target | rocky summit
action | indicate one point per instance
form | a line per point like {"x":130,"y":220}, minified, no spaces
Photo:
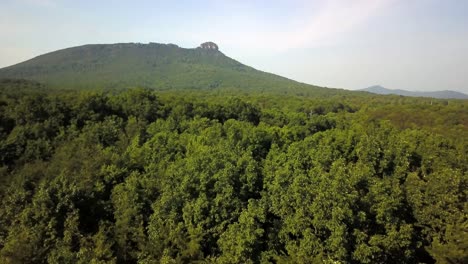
{"x":209,"y":46}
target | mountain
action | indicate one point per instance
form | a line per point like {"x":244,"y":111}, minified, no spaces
{"x":153,"y":65}
{"x":377,"y":89}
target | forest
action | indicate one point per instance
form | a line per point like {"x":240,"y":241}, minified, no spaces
{"x":202,"y":176}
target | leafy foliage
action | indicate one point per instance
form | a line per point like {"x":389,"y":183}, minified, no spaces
{"x":139,"y":176}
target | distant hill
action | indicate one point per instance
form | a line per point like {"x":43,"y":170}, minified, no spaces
{"x":153,"y":65}
{"x":377,"y":89}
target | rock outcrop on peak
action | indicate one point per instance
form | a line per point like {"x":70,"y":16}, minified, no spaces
{"x":209,"y":46}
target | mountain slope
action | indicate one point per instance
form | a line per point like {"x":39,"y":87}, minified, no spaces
{"x":377,"y":89}
{"x":158,"y":66}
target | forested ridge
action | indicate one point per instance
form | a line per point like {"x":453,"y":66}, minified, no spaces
{"x":193,"y":176}
{"x":156,"y":66}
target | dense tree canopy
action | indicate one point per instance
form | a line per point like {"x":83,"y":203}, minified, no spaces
{"x":139,"y":176}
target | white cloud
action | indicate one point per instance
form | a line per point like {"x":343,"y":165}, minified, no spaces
{"x":335,"y":18}
{"x":317,"y":25}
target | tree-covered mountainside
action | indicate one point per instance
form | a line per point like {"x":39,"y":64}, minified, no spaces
{"x":447,"y":94}
{"x":156,"y":66}
{"x":198,"y":176}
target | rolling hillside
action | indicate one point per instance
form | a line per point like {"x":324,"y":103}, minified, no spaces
{"x":377,"y":89}
{"x":153,"y":65}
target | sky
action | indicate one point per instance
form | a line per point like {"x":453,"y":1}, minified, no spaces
{"x":419,"y":45}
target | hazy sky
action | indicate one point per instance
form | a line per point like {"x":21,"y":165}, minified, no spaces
{"x":400,"y":44}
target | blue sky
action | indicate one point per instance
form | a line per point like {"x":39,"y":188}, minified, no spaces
{"x":400,"y":44}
